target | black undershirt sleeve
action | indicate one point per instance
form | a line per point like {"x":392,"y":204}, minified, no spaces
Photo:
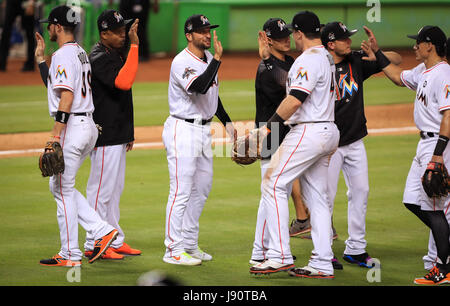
{"x":300,"y":95}
{"x":202,"y":83}
{"x":43,"y":70}
{"x":221,"y":114}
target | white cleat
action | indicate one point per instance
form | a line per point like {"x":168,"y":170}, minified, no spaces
{"x":182,"y":259}
{"x":199,"y":254}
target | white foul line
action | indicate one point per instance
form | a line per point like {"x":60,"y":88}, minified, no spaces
{"x":158,"y":144}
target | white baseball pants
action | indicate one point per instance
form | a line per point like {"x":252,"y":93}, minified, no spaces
{"x":414,"y":193}
{"x":190,"y":163}
{"x":304,"y":153}
{"x":105,"y":186}
{"x":77,"y":141}
{"x":352,"y":159}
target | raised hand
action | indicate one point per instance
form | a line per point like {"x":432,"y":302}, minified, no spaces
{"x":264,"y":49}
{"x":371,"y":39}
{"x":40,"y":48}
{"x":132,"y":34}
{"x":370,"y":54}
{"x":218,"y":50}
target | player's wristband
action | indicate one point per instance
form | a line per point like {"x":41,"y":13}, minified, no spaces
{"x":274,"y":121}
{"x":382,"y":60}
{"x":440,"y":145}
{"x":62,"y":117}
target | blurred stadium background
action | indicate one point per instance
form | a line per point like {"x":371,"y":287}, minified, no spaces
{"x":240,"y":20}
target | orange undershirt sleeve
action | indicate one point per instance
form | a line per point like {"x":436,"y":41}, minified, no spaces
{"x":127,"y":74}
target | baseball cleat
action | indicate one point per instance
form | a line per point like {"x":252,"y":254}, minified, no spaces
{"x":254,"y":262}
{"x":270,"y":266}
{"x":298,"y":228}
{"x":125,"y":249}
{"x":182,"y":259}
{"x":361,"y":260}
{"x":102,"y":244}
{"x":109,"y":254}
{"x":309,"y":272}
{"x":434,"y":277}
{"x":58,"y":261}
{"x":336,"y":264}
{"x":199,"y":254}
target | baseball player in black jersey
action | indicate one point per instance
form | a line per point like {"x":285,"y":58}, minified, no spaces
{"x":113,"y":74}
{"x":352,"y":68}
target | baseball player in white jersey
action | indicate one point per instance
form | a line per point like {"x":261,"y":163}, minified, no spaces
{"x":304,"y":153}
{"x":70,"y":104}
{"x":431,"y":81}
{"x":193,"y":101}
{"x":430,"y":259}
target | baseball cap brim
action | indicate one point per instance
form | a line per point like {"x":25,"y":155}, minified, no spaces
{"x":413,"y":36}
{"x":352,"y":32}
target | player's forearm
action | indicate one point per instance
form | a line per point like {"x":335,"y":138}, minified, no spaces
{"x":394,"y":57}
{"x":43,"y":70}
{"x":126,"y":76}
{"x":204,"y":81}
{"x":62,"y":116}
{"x":288,"y":107}
{"x":222,"y":114}
{"x":394,"y":72}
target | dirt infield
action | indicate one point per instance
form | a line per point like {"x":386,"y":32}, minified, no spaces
{"x":234,"y":66}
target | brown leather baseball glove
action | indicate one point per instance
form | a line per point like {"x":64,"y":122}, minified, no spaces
{"x":51,"y":162}
{"x":247,"y":149}
{"x":435,"y":180}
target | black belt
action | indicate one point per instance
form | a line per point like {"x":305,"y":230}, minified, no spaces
{"x":204,"y":121}
{"x":424,"y":135}
{"x":80,"y":114}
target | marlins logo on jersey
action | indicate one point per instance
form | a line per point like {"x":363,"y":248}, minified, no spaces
{"x":187,"y":72}
{"x":302,"y":74}
{"x":60,"y":72}
{"x":447,"y":91}
{"x":347,"y":87}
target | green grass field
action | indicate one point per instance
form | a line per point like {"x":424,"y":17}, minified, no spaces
{"x":25,"y":109}
{"x":29,"y":231}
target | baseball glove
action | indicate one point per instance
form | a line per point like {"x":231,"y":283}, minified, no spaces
{"x":435,"y":180}
{"x":51,"y":162}
{"x":247,"y":149}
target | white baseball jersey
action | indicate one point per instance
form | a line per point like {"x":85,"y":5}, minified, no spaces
{"x":314,"y":69}
{"x":186,"y":67}
{"x":70,"y":69}
{"x":432,"y":88}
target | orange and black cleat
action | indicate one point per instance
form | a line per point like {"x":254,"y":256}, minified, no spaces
{"x":102,"y":244}
{"x":125,"y":249}
{"x":58,"y":261}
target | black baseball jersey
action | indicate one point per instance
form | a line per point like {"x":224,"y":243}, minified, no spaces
{"x":349,"y":107}
{"x":113,"y":106}
{"x":270,"y":90}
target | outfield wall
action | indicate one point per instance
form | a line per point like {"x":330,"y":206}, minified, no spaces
{"x":240,"y":20}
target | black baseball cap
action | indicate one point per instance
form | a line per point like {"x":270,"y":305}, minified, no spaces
{"x":432,"y":34}
{"x":197,"y":22}
{"x":306,"y":21}
{"x":335,"y":30}
{"x":276,"y":28}
{"x":63,"y":15}
{"x":111,"y":20}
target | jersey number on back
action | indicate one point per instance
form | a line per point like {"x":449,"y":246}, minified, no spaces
{"x":86,"y":78}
